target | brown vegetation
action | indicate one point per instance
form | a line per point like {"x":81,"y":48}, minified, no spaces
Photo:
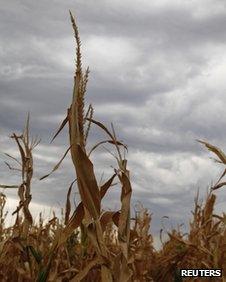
{"x":90,"y":244}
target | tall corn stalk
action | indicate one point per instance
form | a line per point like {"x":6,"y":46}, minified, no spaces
{"x":25,"y":146}
{"x":88,"y":213}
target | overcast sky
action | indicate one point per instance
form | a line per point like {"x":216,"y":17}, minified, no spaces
{"x":158,"y":73}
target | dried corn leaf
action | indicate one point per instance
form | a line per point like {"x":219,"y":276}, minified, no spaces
{"x":68,"y":204}
{"x":218,"y":186}
{"x":57,"y":165}
{"x":82,"y":274}
{"x":124,"y":219}
{"x":87,"y":183}
{"x":106,"y":218}
{"x":104,"y":188}
{"x":9,"y":186}
{"x":64,"y":122}
{"x":104,"y":142}
{"x":215,"y":150}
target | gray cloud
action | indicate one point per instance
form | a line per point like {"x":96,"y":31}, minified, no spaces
{"x":157,"y":72}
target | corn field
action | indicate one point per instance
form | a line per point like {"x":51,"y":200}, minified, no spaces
{"x":88,"y":243}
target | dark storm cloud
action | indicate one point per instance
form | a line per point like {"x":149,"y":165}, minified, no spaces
{"x":157,"y":72}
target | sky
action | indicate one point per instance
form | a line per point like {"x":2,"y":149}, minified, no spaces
{"x":157,"y":72}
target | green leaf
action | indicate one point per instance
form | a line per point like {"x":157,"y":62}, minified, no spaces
{"x":42,"y":276}
{"x":37,"y":255}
